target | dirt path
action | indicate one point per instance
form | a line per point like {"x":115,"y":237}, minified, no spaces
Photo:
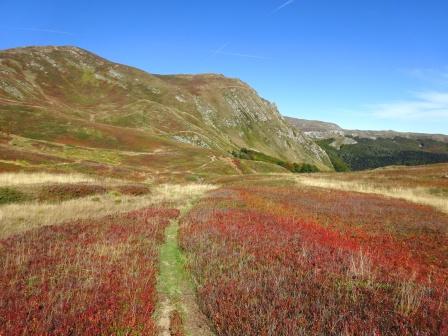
{"x":178,"y":312}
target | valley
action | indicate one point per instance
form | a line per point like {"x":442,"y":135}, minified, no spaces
{"x":362,"y":150}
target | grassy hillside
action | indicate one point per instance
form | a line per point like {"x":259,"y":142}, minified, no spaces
{"x":293,"y":167}
{"x":66,"y":96}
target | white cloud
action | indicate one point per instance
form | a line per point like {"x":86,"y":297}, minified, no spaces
{"x":424,"y":105}
{"x":428,"y":75}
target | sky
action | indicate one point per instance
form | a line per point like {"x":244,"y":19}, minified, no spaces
{"x":370,"y":64}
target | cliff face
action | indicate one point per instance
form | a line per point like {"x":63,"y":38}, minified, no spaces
{"x":69,"y":95}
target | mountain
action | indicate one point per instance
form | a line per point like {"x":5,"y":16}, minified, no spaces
{"x":67,"y":105}
{"x":325,"y":130}
{"x":313,"y":125}
{"x":392,"y":134}
{"x":360,"y":150}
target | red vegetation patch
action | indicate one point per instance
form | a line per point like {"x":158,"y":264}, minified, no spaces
{"x":410,"y":236}
{"x":284,"y":262}
{"x":429,"y":176}
{"x":89,"y":277}
{"x":134,"y":189}
{"x":9,"y":168}
{"x":61,"y":192}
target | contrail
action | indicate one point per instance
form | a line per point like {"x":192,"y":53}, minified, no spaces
{"x":221,"y":49}
{"x":287,"y":3}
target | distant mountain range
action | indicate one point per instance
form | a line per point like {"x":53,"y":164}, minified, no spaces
{"x":358,"y":150}
{"x":324,"y":130}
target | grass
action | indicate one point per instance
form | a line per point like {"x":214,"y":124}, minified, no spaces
{"x":96,"y":273}
{"x":180,"y":194}
{"x":17,"y":218}
{"x":9,"y":195}
{"x":267,"y":256}
{"x":14,"y":179}
{"x":283,"y":260}
{"x":58,"y":187}
{"x":248,"y":154}
{"x":178,"y":310}
{"x":88,"y":277}
{"x":417,"y":195}
{"x":171,"y":282}
{"x":172,"y":264}
{"x":429,"y":176}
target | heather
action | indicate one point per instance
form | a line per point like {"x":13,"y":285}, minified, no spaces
{"x":287,"y":262}
{"x":92,"y":276}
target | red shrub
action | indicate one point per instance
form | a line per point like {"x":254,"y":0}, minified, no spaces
{"x":134,"y":189}
{"x":269,"y":263}
{"x":61,"y":192}
{"x":88,"y":277}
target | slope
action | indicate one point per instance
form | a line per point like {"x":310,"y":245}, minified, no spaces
{"x":69,"y":96}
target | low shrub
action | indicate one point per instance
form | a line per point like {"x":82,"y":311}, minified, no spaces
{"x":88,"y":277}
{"x":10,"y":195}
{"x":62,"y":192}
{"x":134,"y":189}
{"x":274,"y":261}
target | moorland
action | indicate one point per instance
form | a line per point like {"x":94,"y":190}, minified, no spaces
{"x":140,"y":204}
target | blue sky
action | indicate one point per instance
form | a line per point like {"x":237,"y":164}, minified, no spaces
{"x":371,"y":64}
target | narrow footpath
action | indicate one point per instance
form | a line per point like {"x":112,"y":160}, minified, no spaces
{"x":178,"y":313}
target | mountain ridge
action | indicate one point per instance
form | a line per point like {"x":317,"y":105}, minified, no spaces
{"x":360,"y":150}
{"x":70,"y":96}
{"x":324,"y":130}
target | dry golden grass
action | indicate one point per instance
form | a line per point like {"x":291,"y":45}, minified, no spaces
{"x":180,"y":192}
{"x":416,"y":195}
{"x":14,"y":179}
{"x":360,"y":266}
{"x":16,"y":218}
{"x":409,"y":298}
